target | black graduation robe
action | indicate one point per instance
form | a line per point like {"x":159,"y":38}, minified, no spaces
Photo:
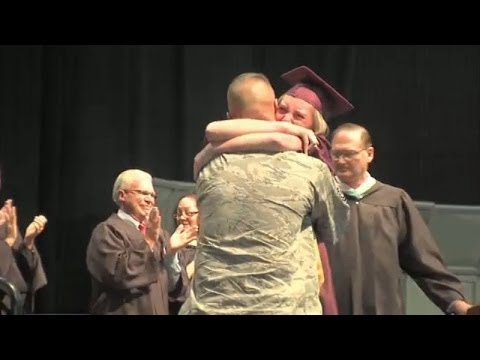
{"x":127,"y":277}
{"x":387,"y":235}
{"x":23,"y":268}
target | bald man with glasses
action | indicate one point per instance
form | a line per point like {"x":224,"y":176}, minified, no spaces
{"x":386,"y":237}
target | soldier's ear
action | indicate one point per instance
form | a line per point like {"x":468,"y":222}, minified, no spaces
{"x":370,"y":153}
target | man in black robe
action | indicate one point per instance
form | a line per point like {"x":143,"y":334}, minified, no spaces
{"x":131,"y":259}
{"x":126,"y":253}
{"x":386,"y":235}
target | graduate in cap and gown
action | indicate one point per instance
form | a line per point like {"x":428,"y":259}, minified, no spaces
{"x":310,"y":89}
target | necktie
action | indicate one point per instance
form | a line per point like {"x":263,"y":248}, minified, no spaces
{"x":142,"y":228}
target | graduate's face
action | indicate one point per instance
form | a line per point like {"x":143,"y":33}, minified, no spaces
{"x":295,"y":111}
{"x":351,"y":156}
{"x":138,"y":198}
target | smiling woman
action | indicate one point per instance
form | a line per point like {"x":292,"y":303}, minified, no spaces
{"x":186,"y":216}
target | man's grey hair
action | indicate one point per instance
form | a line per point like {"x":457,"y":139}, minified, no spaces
{"x":125,"y":179}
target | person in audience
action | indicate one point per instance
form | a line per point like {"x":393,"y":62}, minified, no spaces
{"x":20,"y":261}
{"x":186,"y":216}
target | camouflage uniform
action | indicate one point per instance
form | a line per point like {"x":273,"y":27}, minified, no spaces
{"x":256,"y":249}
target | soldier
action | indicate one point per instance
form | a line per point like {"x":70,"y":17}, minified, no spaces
{"x":256,"y":249}
{"x":310,"y":103}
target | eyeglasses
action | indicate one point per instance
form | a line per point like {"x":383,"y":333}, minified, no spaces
{"x":187,"y":214}
{"x":346,"y":154}
{"x":142,"y":192}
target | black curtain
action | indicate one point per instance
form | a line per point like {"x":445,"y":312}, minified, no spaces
{"x":73,"y":117}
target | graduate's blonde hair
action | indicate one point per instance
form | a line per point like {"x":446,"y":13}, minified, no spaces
{"x":320,"y":126}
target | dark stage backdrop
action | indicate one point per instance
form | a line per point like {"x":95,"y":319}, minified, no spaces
{"x":73,"y":117}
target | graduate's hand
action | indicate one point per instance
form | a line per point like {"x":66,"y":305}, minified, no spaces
{"x":307,"y":136}
{"x":312,"y":148}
